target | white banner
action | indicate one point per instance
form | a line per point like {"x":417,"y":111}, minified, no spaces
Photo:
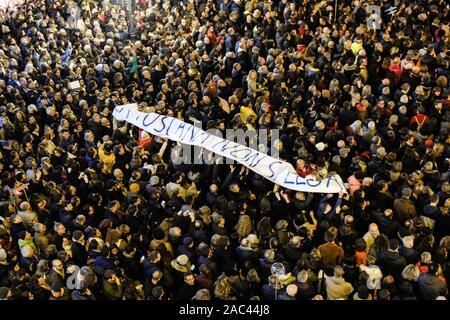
{"x":74,"y":85}
{"x":275,"y":170}
{"x":132,"y":106}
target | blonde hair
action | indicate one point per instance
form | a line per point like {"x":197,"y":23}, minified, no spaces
{"x":205,"y":213}
{"x":252,"y":276}
{"x":222,"y":288}
{"x":411,"y":272}
{"x":244,"y":226}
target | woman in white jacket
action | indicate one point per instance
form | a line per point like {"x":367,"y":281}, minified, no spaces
{"x":374,"y":273}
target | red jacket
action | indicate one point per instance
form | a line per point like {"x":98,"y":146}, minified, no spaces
{"x":145,"y":142}
{"x":397,"y":70}
{"x":420,"y":119}
{"x":306,"y":171}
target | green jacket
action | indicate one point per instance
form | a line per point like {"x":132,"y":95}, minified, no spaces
{"x":23,"y":243}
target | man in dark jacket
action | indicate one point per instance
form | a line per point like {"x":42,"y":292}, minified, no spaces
{"x":187,"y":248}
{"x":153,"y":282}
{"x":59,"y":293}
{"x":430,"y":285}
{"x":306,"y":290}
{"x":82,"y":294}
{"x":289,"y":293}
{"x":189,"y":288}
{"x":383,"y":199}
{"x":59,"y":234}
{"x":388,"y":225}
{"x":391,"y":262}
{"x":293,"y":251}
{"x":411,"y":255}
{"x":66,"y":215}
{"x":102,"y":262}
{"x":265,"y":264}
{"x":347,"y":233}
{"x":245,"y":253}
{"x":431,"y":210}
{"x":271,"y":289}
{"x":152,"y":263}
{"x":302,"y":200}
{"x":79,"y":248}
{"x":57,"y":274}
{"x":112,"y":286}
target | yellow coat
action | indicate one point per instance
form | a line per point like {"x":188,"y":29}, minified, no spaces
{"x":356,"y":47}
{"x":247,"y":112}
{"x":109,"y":160}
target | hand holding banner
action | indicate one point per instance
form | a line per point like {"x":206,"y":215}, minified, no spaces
{"x":275,"y":170}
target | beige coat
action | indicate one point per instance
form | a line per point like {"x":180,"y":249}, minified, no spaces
{"x":337,"y":288}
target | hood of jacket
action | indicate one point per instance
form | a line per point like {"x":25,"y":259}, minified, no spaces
{"x":430,"y":210}
{"x":337,"y":280}
{"x":392,"y":256}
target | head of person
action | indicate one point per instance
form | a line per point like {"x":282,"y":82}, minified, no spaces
{"x":373,"y":230}
{"x":189,"y":278}
{"x":338,"y":271}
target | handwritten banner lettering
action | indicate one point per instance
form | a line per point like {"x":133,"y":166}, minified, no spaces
{"x":275,"y":170}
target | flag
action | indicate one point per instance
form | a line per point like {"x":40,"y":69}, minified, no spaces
{"x":134,"y":66}
{"x":133,"y":70}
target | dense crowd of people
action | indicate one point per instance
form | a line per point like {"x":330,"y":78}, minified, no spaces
{"x":94,"y":208}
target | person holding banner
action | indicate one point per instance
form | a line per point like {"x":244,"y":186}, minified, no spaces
{"x":225,"y":137}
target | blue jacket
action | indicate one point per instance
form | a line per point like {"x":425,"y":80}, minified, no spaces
{"x":268,"y":292}
{"x":431,"y":286}
{"x":101,"y":264}
{"x":149,"y":268}
{"x":230,"y":43}
{"x":322,"y":206}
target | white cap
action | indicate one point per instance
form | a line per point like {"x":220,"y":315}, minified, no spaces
{"x":320,"y":146}
{"x":2,"y":255}
{"x":291,"y":290}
